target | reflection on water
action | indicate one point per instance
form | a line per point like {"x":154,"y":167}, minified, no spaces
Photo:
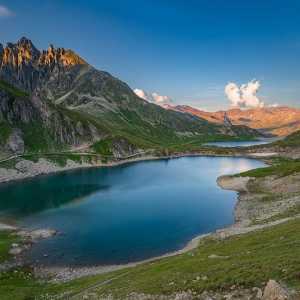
{"x":39,"y":194}
{"x":126,"y":213}
{"x":227,"y":167}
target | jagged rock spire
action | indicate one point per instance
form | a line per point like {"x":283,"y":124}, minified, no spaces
{"x":60,"y":56}
{"x":24,"y":51}
{"x":24,"y":41}
{"x":22,"y":64}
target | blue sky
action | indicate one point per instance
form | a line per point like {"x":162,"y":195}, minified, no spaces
{"x":188,"y":50}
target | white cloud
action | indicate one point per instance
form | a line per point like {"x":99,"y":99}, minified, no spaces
{"x":245,"y":95}
{"x":153,"y":97}
{"x":141,"y":94}
{"x":232,"y":91}
{"x":248,"y":92}
{"x":160,"y":99}
{"x":5,"y":12}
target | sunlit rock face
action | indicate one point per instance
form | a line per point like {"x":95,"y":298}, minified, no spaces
{"x":59,"y":56}
{"x":23,"y":65}
{"x":25,"y":53}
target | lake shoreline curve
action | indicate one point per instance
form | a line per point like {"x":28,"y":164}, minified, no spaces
{"x":26,"y":169}
{"x":240,"y":225}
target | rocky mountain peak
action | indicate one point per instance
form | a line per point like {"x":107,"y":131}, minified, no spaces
{"x":23,"y":65}
{"x":60,"y":56}
{"x":25,"y":42}
{"x":24,"y":52}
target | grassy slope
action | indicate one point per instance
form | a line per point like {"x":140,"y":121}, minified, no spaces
{"x":6,"y":239}
{"x":155,"y":136}
{"x":12,"y":90}
{"x":292,"y":140}
{"x":279,"y":168}
{"x":251,"y":260}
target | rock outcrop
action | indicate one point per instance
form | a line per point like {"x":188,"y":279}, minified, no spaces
{"x":15,"y":142}
{"x":274,"y":291}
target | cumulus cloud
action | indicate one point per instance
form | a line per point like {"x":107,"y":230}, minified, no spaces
{"x":153,"y":97}
{"x":141,"y":94}
{"x":244,"y":95}
{"x":5,"y":12}
{"x":160,"y":99}
{"x":233,"y":93}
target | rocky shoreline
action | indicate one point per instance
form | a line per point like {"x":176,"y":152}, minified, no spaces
{"x":28,"y":238}
{"x":24,"y":169}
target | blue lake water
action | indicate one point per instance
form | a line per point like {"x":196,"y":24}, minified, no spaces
{"x":125,"y":213}
{"x":242,"y":143}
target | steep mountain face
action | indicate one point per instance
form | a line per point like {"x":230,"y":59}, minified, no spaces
{"x":28,"y":123}
{"x":279,"y":121}
{"x":27,"y":118}
{"x":56,"y":92}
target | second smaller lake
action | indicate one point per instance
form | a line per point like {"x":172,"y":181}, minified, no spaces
{"x":242,"y":143}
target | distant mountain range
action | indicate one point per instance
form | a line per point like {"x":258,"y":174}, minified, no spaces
{"x":53,"y":99}
{"x":280,"y":121}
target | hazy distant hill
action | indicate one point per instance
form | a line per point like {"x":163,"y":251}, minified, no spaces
{"x":274,"y":120}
